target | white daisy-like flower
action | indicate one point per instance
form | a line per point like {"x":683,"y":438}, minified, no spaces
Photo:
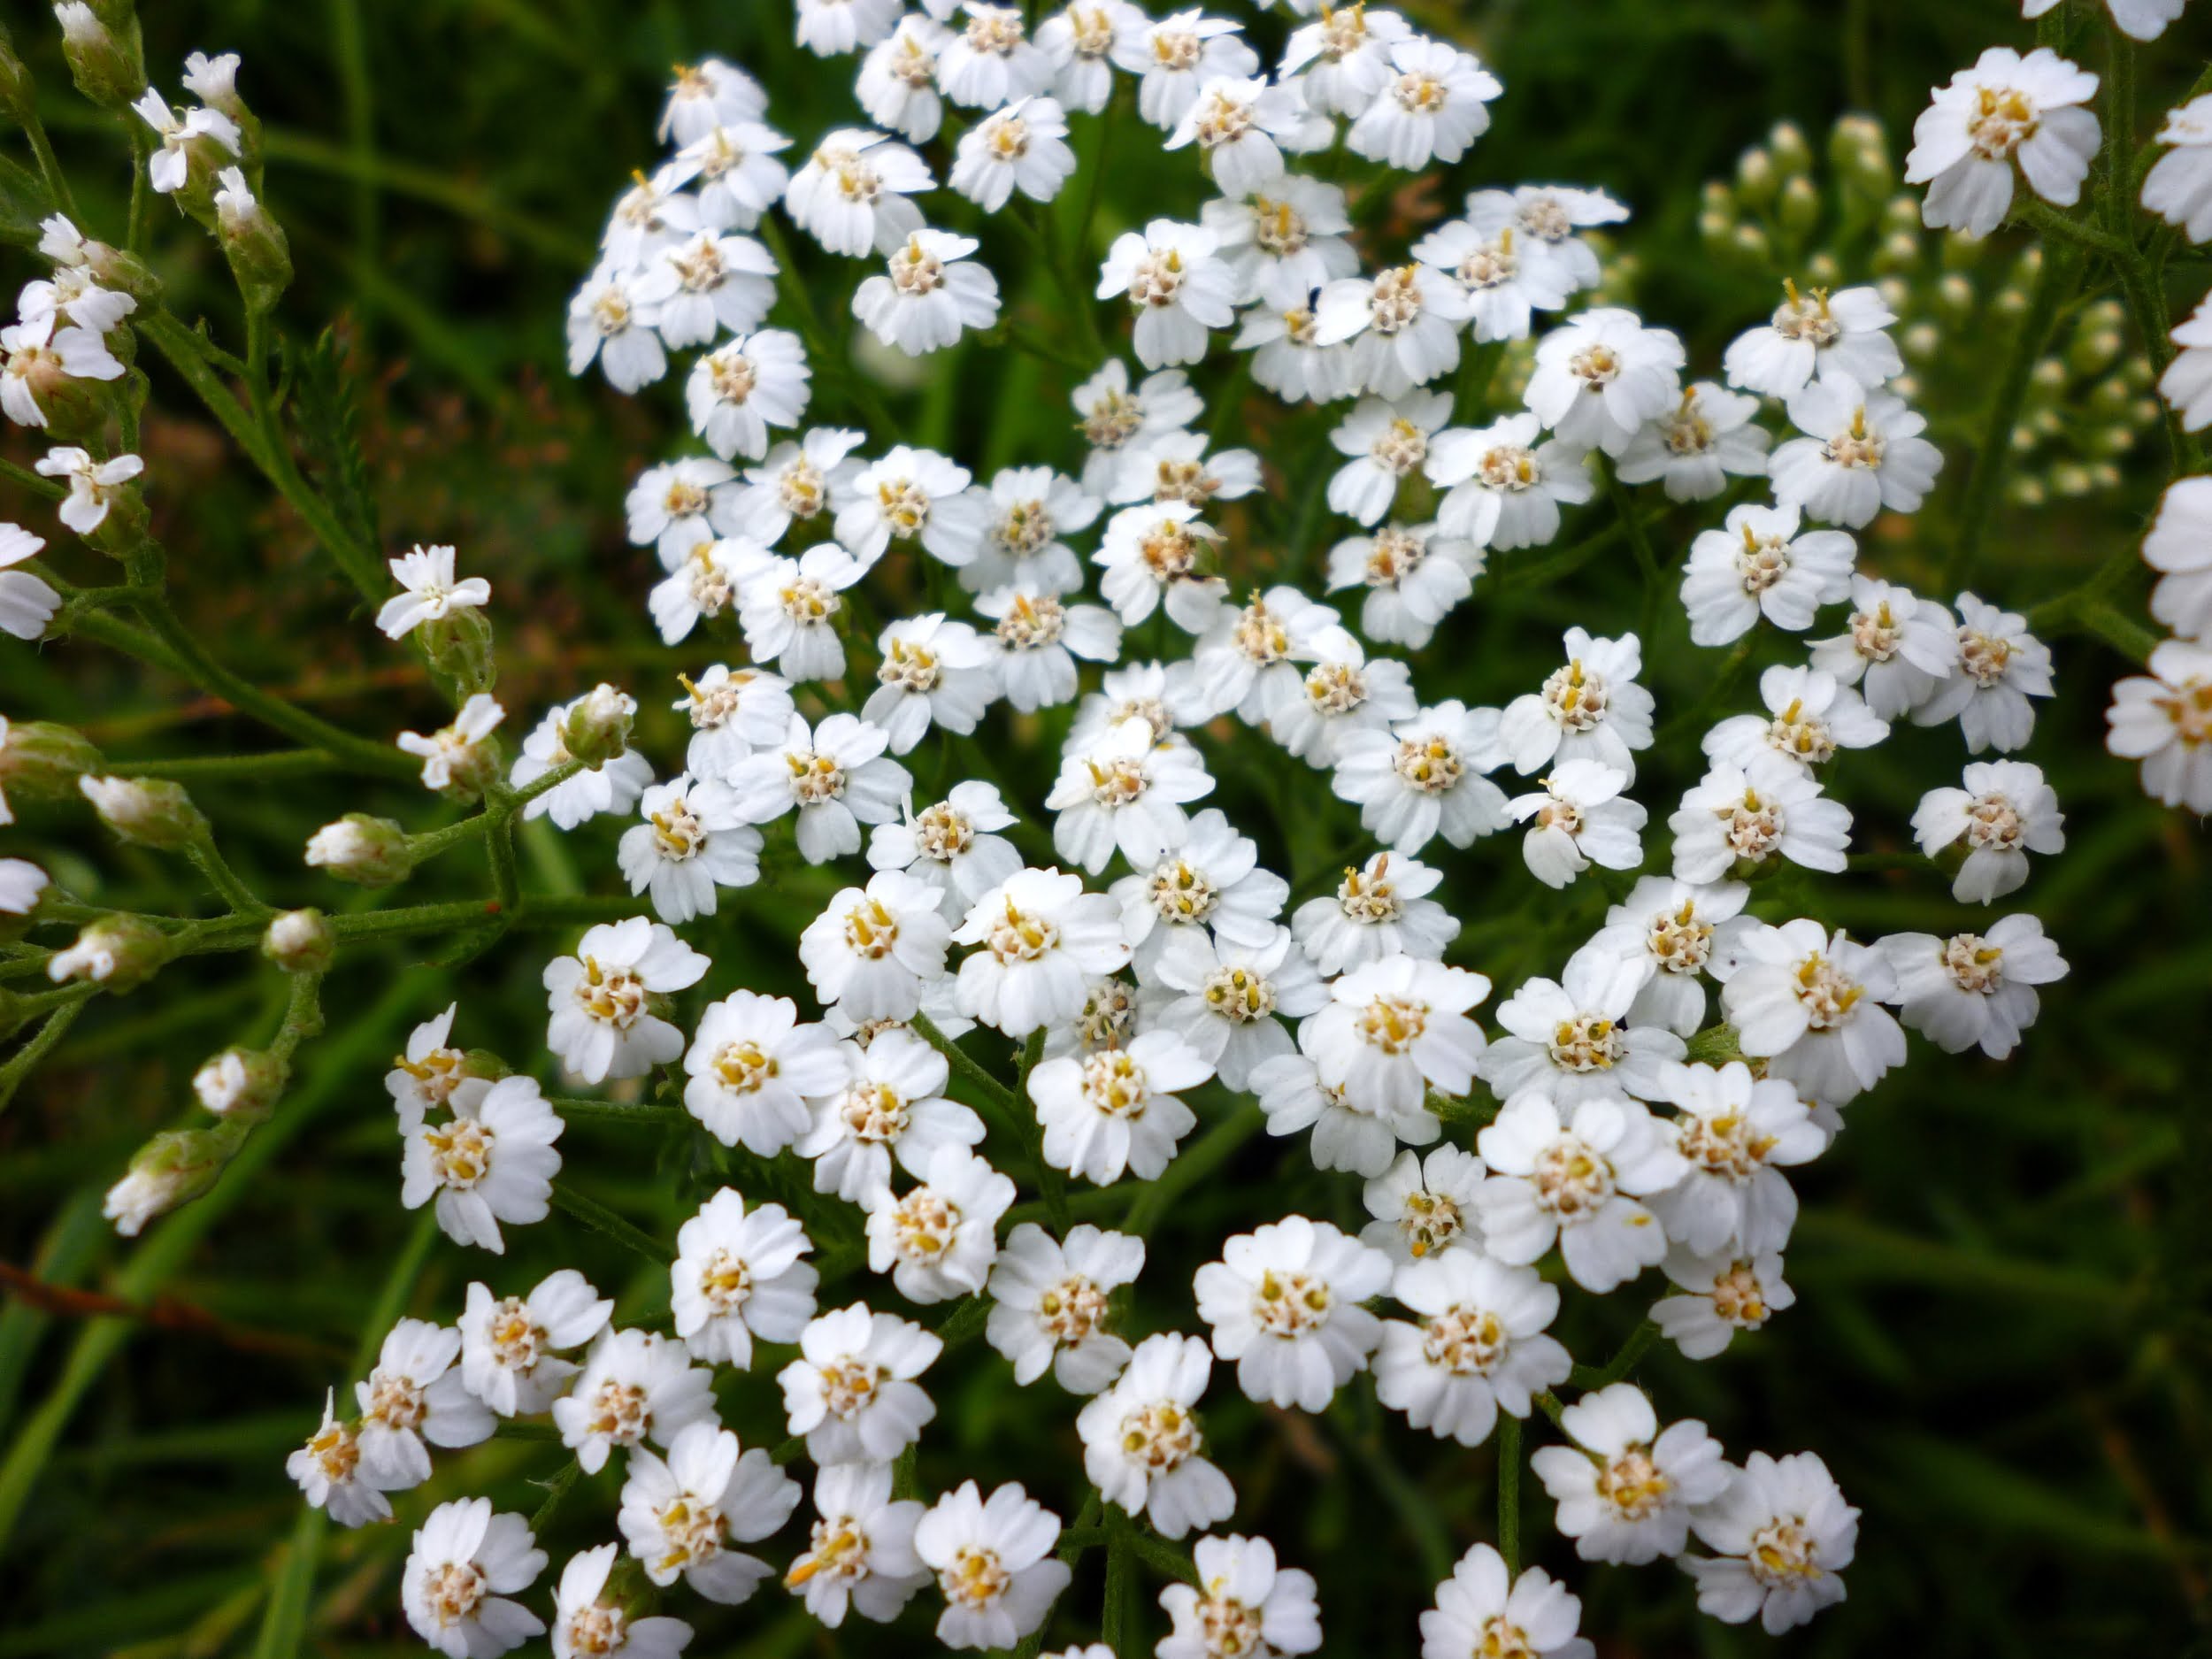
{"x":492,"y":1162}
{"x":1283,"y":238}
{"x":710,"y":579}
{"x":835,"y":776}
{"x":993,"y":1563}
{"x":1401,"y":327}
{"x":1672,"y":933}
{"x":851,"y":1391}
{"x":2165,"y":719}
{"x":1152,"y":556}
{"x":990,"y":60}
{"x":1810,"y":718}
{"x":938,"y":1240}
{"x":1810,"y":1006}
{"x":1579,"y":818}
{"x":679,"y":506}
{"x":1739,"y":817}
{"x":1424,"y":778}
{"x":1023,"y":147}
{"x":854,"y":196}
{"x":1591,"y":708}
{"x":1342,"y":60}
{"x":1414,"y":576}
{"x":872,"y":952}
{"x":608,"y":323}
{"x":1602,"y":375}
{"x":1781,"y":1535}
{"x":636,"y":1386}
{"x":414,"y":1398}
{"x":1289,"y":359}
{"x":1036,"y":640}
{"x":1175,"y":466}
{"x":2178,"y":187}
{"x":679,"y":1517}
{"x":1117,"y":1110}
{"x":1141,"y":691}
{"x":1243,"y":1602}
{"x":1177,"y":56}
{"x":1505,"y":488}
{"x":738,"y":1277}
{"x":928,"y":295}
{"x":464,"y":1565}
{"x":1032,"y":510}
{"x":897,"y":87}
{"x":432,"y":592}
{"x":742,"y":388}
{"x":1758,"y":565}
{"x":1044,"y":940}
{"x":752,"y":1067}
{"x":1114,"y":418}
{"x":830,"y":28}
{"x":795,"y":482}
{"x":2006,"y":108}
{"x":2186,"y":384}
{"x":950,"y":845}
{"x":692,"y":843}
{"x":28,"y":601}
{"x":510,"y":1346}
{"x":1862,"y":454}
{"x":588,"y":1622}
{"x":890,"y":1103}
{"x":1081,"y":40}
{"x":1284,"y":1303}
{"x":1236,"y":665}
{"x":330,"y":1474}
{"x":170,"y":165}
{"x":1354,"y":1131}
{"x":1483,"y":1605}
{"x":1626,"y":1489}
{"x":1141,"y":1443}
{"x":1507,"y":275}
{"x":1568,"y":1038}
{"x":38,"y":358}
{"x":789,"y":609}
{"x":1386,"y":442}
{"x":1177,"y":285}
{"x":1126,"y":793}
{"x":2001,"y":665}
{"x":735,"y":167}
{"x":608,"y":785}
{"x":1738,"y":1134}
{"x":93,"y":485}
{"x":457,"y":757}
{"x":1844,"y":332}
{"x":1478,"y":1346}
{"x":1430,"y":108}
{"x":1973,"y":989}
{"x":1424,"y":1205}
{"x":1240,"y":125}
{"x":1048,"y":1304}
{"x":2178,"y":545}
{"x":603,"y":1025}
{"x":2004,"y":812}
{"x":703,"y":286}
{"x":860,"y":1552}
{"x":1898,"y":650}
{"x":932,"y":671}
{"x":1717,"y":1295}
{"x":1223,"y":998}
{"x":706,"y":94}
{"x":911,"y":495}
{"x":1395,"y":1028}
{"x":1576,"y":1180}
{"x":1693,"y":449}
{"x":1209,"y":878}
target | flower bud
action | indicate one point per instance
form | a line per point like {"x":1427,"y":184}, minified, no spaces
{"x":300,"y":942}
{"x":598,"y":725}
{"x":457,"y":646}
{"x":119,"y":952}
{"x":1755,"y":180}
{"x":1801,"y":206}
{"x":241,"y":1084}
{"x":106,"y":68}
{"x":41,"y":760}
{"x":149,"y":811}
{"x":15,"y":79}
{"x":171,"y":1169}
{"x":23,"y":201}
{"x":260,"y":258}
{"x":1793,"y":156}
{"x":370,"y":852}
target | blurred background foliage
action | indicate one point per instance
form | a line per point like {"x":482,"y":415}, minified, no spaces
{"x":2000,"y":1340}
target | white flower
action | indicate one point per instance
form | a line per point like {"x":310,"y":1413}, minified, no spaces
{"x":692,"y":842}
{"x":462,"y":1566}
{"x":2005,"y":812}
{"x":1625,"y":1488}
{"x":1209,"y":876}
{"x":1810,"y":1006}
{"x":1479,"y":1346}
{"x":169,"y":165}
{"x":1048,"y":1304}
{"x":835,"y":776}
{"x":1388,"y":441}
{"x":1284,"y":238}
{"x":990,"y":61}
{"x":1692,"y":448}
{"x":1899,"y":647}
{"x":27,"y":603}
{"x":1809,"y":718}
{"x":1820,"y":333}
{"x":1483,"y":1607}
{"x":1736,"y":1135}
{"x":706,"y":94}
{"x":794,"y":482}
{"x":890,"y":1103}
{"x":911,"y":494}
{"x":2005,"y":108}
{"x":2179,"y":188}
{"x":897,"y":87}
{"x":1032,"y":510}
{"x":1973,"y":989}
{"x":711,"y":578}
{"x":1229,"y":995}
{"x":1741,"y":817}
{"x":949,"y":846}
{"x":1671,"y":932}
{"x":1505,"y":488}
{"x":494,"y":1161}
{"x":1141,"y":691}
{"x":1590,"y":708}
{"x":636,"y":1386}
{"x":1424,"y":1205}
{"x":1151,"y":555}
{"x":1242,"y":1603}
{"x":1579,"y":819}
{"x":674,"y":507}
{"x":1127,"y":792}
{"x":1177,"y":285}
{"x":607,"y":321}
{"x":1175,"y":467}
{"x":73,"y":297}
{"x":789,"y":610}
{"x":1402,"y":326}
{"x":39,"y":355}
{"x":938,"y":1240}
{"x":1176,"y":56}
{"x":2165,"y":719}
{"x":452,"y":756}
{"x":860,"y":1554}
{"x":1781,"y":1535}
{"x":603,"y":1025}
{"x":1414,"y":575}
{"x":1576,"y":1181}
{"x":1758,"y":565}
{"x":1423,"y":778}
{"x":329,"y":1473}
{"x":1044,"y":940}
{"x":1354,"y":1131}
{"x":829,"y":28}
{"x":93,"y":484}
{"x":588,"y":1623}
{"x":993,"y":1562}
{"x":1345,"y":57}
{"x":1142,"y":1442}
{"x":1431,"y":107}
{"x":1237,"y":665}
{"x":873,"y":951}
{"x":1289,"y":358}
{"x":1284,"y":1303}
{"x":853,"y":193}
{"x":737,"y":171}
{"x":752,"y":1067}
{"x":1240,"y":126}
{"x":1862,"y":453}
{"x":1568,"y":1039}
{"x":1601,"y":375}
{"x":1716,"y":1296}
{"x":679,"y":1516}
{"x":1396,"y":1027}
{"x":414,"y":1400}
{"x":607,"y":786}
{"x":1507,"y":274}
{"x":2186,"y":384}
{"x":928,"y":295}
{"x":1114,"y":418}
{"x":699,"y":287}
{"x":509,"y":1344}
{"x":851,"y":1391}
{"x":21,"y":882}
{"x":429,"y":1071}
{"x":738,"y":1277}
{"x":1117,"y":1108}
{"x":2178,"y":544}
{"x":736,"y":392}
{"x":2001,"y":665}
{"x":1080,"y":41}
{"x":1023,"y":147}
{"x":653,"y":214}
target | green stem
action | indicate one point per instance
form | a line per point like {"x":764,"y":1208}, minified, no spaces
{"x":49,"y":167}
{"x":599,"y":1218}
{"x":211,"y":862}
{"x":615,"y":1111}
{"x":996,"y":1093}
{"x":26,"y":1060}
{"x":1624,"y":1361}
{"x":285,"y":762}
{"x":1049,"y":1181}
{"x":1192,"y":1165}
{"x":1509,"y":1493}
{"x":1639,"y":544}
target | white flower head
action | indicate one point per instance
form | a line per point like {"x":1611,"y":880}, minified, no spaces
{"x":94,"y":483}
{"x":2165,"y":719}
{"x":1810,"y":718}
{"x":692,"y":843}
{"x":1862,"y":454}
{"x":1433,"y":106}
{"x":860,"y":1552}
{"x":1602,"y":375}
{"x":851,"y":1391}
{"x":939,"y":1240}
{"x":1177,"y":285}
{"x":1579,"y":818}
{"x":1043,"y":940}
{"x":928,"y":294}
{"x":1781,"y":1535}
{"x":1819,"y":332}
{"x":492,"y":1162}
{"x":1283,"y":238}
{"x":1049,"y":1305}
{"x":854,"y":193}
{"x":1476,"y":1346}
{"x":1081,"y":41}
{"x":1482,"y":1605}
{"x":1424,"y":778}
{"x":1117,"y":1109}
{"x":752,"y":1067}
{"x":1177,"y":56}
{"x":738,"y":1277}
{"x":1023,"y":147}
{"x":602,"y":1022}
{"x":1737,"y":1133}
{"x":414,"y":1398}
{"x":1242,"y":1601}
{"x":993,"y":1563}
{"x":746,"y":385}
{"x":1414,"y":576}
{"x":1141,"y":1443}
{"x":1590,"y":708}
{"x":510,"y":1346}
{"x":2001,"y":665}
{"x":1740,"y":817}
{"x":636,"y":1386}
{"x":2005,"y":109}
{"x":1976,"y":989}
{"x":588,"y":1622}
{"x":1379,"y":908}
{"x":1223,"y":998}
{"x":1425,"y":1205}
{"x":464,"y":1565}
{"x":2004,"y":812}
{"x":890,"y":1104}
{"x":1626,"y":1489}
{"x":2178,"y":187}
{"x":1810,"y":1006}
{"x":1759,"y":564}
{"x":679,"y":1515}
{"x":329,"y":1473}
{"x":1284,"y":1303}
{"x":1401,"y":327}
{"x":1899,"y":648}
{"x":833,"y":776}
{"x":1577,"y":1179}
{"x":1717,"y":1295}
